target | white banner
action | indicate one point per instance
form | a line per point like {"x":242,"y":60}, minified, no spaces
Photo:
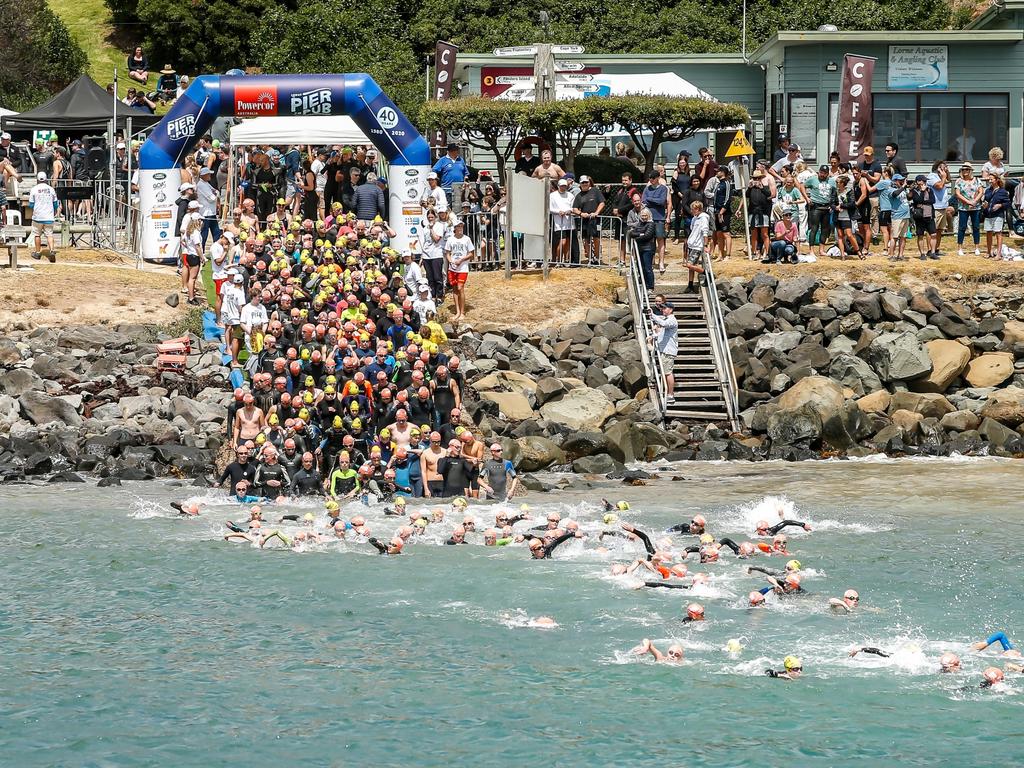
{"x":158,"y":191}
{"x":406,"y":186}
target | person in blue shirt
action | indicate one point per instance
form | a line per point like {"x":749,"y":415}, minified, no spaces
{"x":657,"y":201}
{"x":451,"y":168}
{"x":900,"y":207}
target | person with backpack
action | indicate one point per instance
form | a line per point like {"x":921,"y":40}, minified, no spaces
{"x":922,"y":208}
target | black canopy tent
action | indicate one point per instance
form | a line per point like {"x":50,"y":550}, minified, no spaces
{"x":82,"y":106}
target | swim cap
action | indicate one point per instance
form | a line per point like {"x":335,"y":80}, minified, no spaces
{"x":331,"y":506}
{"x":460,"y":502}
{"x":421,"y":522}
{"x":622,"y":506}
{"x":400,"y":501}
{"x":756,"y":598}
{"x":707,"y":538}
{"x":993,"y":675}
{"x":733,"y":645}
{"x":699,"y":520}
{"x":695,"y":610}
{"x":792,"y":662}
{"x":610,"y":518}
{"x":308,"y":517}
{"x":793,"y":565}
{"x":949,"y":661}
{"x":762,"y":525}
{"x":793,"y":580}
{"x":524,"y":508}
{"x":851,"y":594}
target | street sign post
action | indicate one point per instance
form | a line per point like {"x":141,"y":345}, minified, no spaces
{"x":562,"y":50}
{"x":516,"y":50}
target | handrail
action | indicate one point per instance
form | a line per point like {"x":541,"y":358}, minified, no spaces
{"x":644,"y":328}
{"x":720,"y":343}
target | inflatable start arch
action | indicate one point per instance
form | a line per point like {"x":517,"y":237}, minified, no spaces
{"x":213,"y":96}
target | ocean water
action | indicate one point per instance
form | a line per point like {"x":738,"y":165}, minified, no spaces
{"x":133,"y":638}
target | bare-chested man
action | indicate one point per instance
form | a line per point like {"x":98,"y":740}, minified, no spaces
{"x":473,"y":451}
{"x":433,"y":481}
{"x":401,"y":430}
{"x":547,"y":169}
{"x":249,"y":420}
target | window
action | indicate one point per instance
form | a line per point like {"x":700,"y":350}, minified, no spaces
{"x":935,"y":126}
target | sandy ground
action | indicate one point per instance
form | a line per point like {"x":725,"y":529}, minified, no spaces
{"x":528,"y":301}
{"x":85,"y":287}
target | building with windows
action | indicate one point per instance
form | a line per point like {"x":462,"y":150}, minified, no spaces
{"x":946,"y":94}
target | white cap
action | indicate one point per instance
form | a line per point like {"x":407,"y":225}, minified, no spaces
{"x":5,"y":136}
{"x":430,"y":175}
{"x":41,"y":176}
{"x":584,"y":178}
{"x":237,"y":278}
{"x":230,"y":236}
{"x":423,"y":285}
{"x":193,"y":205}
{"x":120,"y":145}
{"x":205,"y":170}
{"x":563,"y":182}
{"x":185,"y":187}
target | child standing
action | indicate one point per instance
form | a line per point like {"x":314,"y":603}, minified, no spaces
{"x":700,"y":228}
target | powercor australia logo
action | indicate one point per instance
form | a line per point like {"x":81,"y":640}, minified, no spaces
{"x":255,"y":101}
{"x":316,"y":102}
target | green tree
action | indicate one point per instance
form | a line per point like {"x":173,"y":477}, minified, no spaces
{"x":337,"y":36}
{"x":650,"y":120}
{"x":40,"y":57}
{"x":495,"y":126}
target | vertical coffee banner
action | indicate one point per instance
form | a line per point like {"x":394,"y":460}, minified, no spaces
{"x":854,"y":129}
{"x":444,"y":72}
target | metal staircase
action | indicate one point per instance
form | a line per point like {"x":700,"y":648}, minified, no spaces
{"x":705,"y":384}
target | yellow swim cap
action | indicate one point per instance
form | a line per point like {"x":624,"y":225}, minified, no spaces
{"x":793,"y":565}
{"x":421,"y":522}
{"x":622,"y":506}
{"x":792,"y":662}
{"x":610,"y":518}
{"x":460,"y":502}
{"x":308,"y":517}
{"x":733,"y":646}
{"x":330,"y":506}
{"x":707,"y":538}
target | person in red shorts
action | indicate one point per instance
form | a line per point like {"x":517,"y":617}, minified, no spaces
{"x":459,"y":250}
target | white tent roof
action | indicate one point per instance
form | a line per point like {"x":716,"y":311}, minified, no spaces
{"x":298,"y":130}
{"x":578,"y":86}
{"x":5,"y":112}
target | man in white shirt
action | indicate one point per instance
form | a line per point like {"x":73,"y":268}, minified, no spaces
{"x":232,"y":301}
{"x":208,"y":198}
{"x":413,"y":274}
{"x":423,"y":304}
{"x":220,"y":261}
{"x":560,"y":204}
{"x":43,"y":202}
{"x":254,"y":323}
{"x":459,"y":250}
{"x":792,"y":157}
{"x":435,"y":193}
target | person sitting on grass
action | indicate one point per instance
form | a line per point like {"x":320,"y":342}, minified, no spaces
{"x":138,"y":66}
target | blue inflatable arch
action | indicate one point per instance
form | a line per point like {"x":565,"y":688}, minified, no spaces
{"x":213,"y":96}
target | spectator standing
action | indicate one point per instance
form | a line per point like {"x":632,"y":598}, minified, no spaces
{"x":138,"y":66}
{"x":922,"y":208}
{"x":667,"y":345}
{"x":432,"y":243}
{"x":208,"y":196}
{"x":900,"y":205}
{"x":192,"y":256}
{"x":655,"y":198}
{"x":451,"y":168}
{"x":697,"y":242}
{"x":368,"y":200}
{"x":969,"y":194}
{"x":527,"y":162}
{"x":548,"y":169}
{"x":820,"y":191}
{"x":588,"y":206}
{"x":43,"y":202}
{"x":723,"y":212}
{"x":232,"y":301}
{"x":783,"y":147}
{"x":459,"y":251}
{"x":759,"y":210}
{"x":994,"y":165}
{"x":872,"y":170}
{"x":643,"y":233}
{"x":996,"y":205}
{"x":893,"y":158}
{"x":434,"y":196}
{"x":560,"y":204}
{"x":940,"y":185}
{"x":680,"y":184}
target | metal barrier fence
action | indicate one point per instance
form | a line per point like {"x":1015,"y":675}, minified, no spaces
{"x":639,"y":301}
{"x":588,"y":241}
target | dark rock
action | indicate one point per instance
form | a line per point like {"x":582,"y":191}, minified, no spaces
{"x":633,"y":379}
{"x":739,"y":452}
{"x":898,"y":357}
{"x":610,"y":330}
{"x":868,"y":305}
{"x":850,"y":324}
{"x":538,"y":453}
{"x":854,"y":373}
{"x":893,"y":305}
{"x":18,"y":381}
{"x":996,"y":433}
{"x":133,"y":473}
{"x":580,"y":444}
{"x":172,"y":301}
{"x":818,"y":311}
{"x":38,"y":464}
{"x":794,"y":425}
{"x":40,"y":408}
{"x":952,"y":325}
{"x":992,"y":325}
{"x":680,"y":454}
{"x":626,"y":442}
{"x":549,"y":389}
{"x":744,"y":321}
{"x":746,"y":398}
{"x":186,"y":459}
{"x":814,"y":355}
{"x":596,"y":465}
{"x":795,"y":291}
{"x":842,"y":430}
{"x":713,"y":450}
{"x":107,"y":482}
{"x":65,"y":477}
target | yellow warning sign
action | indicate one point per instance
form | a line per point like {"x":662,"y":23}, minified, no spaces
{"x":740,"y":146}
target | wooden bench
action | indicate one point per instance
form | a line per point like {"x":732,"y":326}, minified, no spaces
{"x":16,"y":237}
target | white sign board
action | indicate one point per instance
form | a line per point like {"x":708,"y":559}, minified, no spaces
{"x":527,"y":204}
{"x":568,"y":66}
{"x":918,"y":67}
{"x":517,"y":50}
{"x":561,"y":50}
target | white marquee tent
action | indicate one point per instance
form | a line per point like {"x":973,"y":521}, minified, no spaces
{"x":314,"y":130}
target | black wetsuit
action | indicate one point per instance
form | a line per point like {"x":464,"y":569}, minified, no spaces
{"x":666,"y":585}
{"x":646,"y":540}
{"x":725,"y":541}
{"x":685,"y":528}
{"x":307,"y":482}
{"x":452,"y":541}
{"x":777,"y":575}
{"x":547,"y":549}
{"x":457,"y":473}
{"x":381,"y":547}
{"x":238,"y":472}
{"x":784,"y":524}
{"x":876,"y":652}
{"x":268,"y":472}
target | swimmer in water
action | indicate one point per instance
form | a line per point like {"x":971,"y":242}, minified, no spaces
{"x":694,"y":612}
{"x":458,"y":536}
{"x":674,"y":655}
{"x":641,"y":536}
{"x":398,"y":509}
{"x":189,"y":510}
{"x":541,"y":551}
{"x":621,"y":506}
{"x":755,"y":598}
{"x":849,"y":601}
{"x":696,"y":526}
{"x":393,"y":547}
{"x":792,"y":669}
{"x":763,"y":529}
{"x":993,"y":676}
{"x":791,"y":567}
{"x":1004,"y":642}
{"x":255,"y":517}
{"x":253,"y":535}
{"x":242,"y":494}
{"x":788,"y":586}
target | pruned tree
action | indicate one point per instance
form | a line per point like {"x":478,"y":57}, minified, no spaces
{"x":488,"y":124}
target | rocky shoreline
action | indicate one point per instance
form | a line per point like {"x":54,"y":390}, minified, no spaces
{"x":823,"y":371}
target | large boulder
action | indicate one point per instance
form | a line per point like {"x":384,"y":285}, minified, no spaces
{"x":506,"y":381}
{"x":846,"y":427}
{"x":1013,"y":333}
{"x":852,"y":372}
{"x":744,"y":321}
{"x":960,"y":421}
{"x":600,"y":464}
{"x":795,"y":291}
{"x":548,"y":389}
{"x":10,"y":354}
{"x":626,"y":442}
{"x":781,"y":342}
{"x":1005,"y":406}
{"x":581,"y":444}
{"x":791,"y":425}
{"x":18,"y":381}
{"x":40,"y":408}
{"x":822,"y":395}
{"x":511,"y":405}
{"x":876,"y":402}
{"x":990,"y":369}
{"x":584,"y":409}
{"x":928,"y":404}
{"x":898,"y":357}
{"x":538,"y":453}
{"x":949,"y":358}
{"x":142,"y":405}
{"x":953,"y":323}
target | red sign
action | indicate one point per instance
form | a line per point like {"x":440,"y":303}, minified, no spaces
{"x":491,"y":78}
{"x":855,"y":130}
{"x":255,"y":101}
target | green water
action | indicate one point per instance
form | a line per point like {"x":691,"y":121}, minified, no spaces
{"x":131,"y":638}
